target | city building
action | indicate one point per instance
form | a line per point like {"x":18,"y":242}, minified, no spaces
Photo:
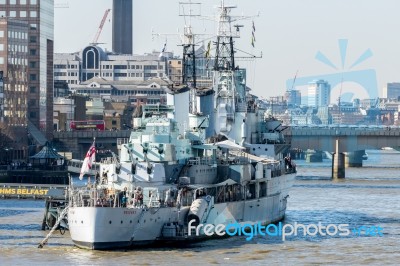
{"x":324,"y":115}
{"x":346,"y":114}
{"x":93,"y":61}
{"x":319,"y":93}
{"x":150,"y":91}
{"x":13,"y":86}
{"x":117,"y":115}
{"x":67,"y":67}
{"x":175,"y":70}
{"x":94,"y":109}
{"x":39,"y":18}
{"x":122,"y":27}
{"x":293,"y":98}
{"x":68,"y":109}
{"x":14,"y":64}
{"x":1,"y":97}
{"x":369,"y":103}
{"x":392,"y":91}
{"x":61,"y":88}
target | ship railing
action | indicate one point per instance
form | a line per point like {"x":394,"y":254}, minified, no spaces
{"x":106,"y":197}
{"x":121,"y":141}
{"x":201,"y":161}
{"x":236,"y":157}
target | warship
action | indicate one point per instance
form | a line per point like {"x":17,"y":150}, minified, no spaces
{"x":207,"y":157}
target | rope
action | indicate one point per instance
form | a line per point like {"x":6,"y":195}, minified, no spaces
{"x":62,"y":215}
{"x":139,"y":224}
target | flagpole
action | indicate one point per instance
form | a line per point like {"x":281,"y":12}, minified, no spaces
{"x":94,"y":144}
{"x":89,"y":160}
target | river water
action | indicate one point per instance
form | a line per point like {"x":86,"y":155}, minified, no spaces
{"x":369,"y":196}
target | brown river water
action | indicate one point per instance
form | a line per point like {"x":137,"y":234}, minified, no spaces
{"x":369,"y":196}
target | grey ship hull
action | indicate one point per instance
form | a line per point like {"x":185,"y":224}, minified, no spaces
{"x":112,"y":228}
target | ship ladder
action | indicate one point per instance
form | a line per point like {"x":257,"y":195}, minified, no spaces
{"x":62,"y":215}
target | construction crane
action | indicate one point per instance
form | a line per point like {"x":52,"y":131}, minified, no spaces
{"x":96,"y":38}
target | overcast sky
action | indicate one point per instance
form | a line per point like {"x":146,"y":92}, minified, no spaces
{"x":289,"y":34}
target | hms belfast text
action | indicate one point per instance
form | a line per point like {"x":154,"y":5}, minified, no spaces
{"x":207,"y":157}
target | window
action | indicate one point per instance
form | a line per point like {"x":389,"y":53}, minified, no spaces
{"x":32,"y":64}
{"x":22,"y":2}
{"x":2,"y":2}
{"x":120,"y":67}
{"x":33,"y":14}
{"x":32,"y":39}
{"x":1,"y":47}
{"x":13,"y":2}
{"x":2,"y":12}
{"x":33,"y":2}
{"x":150,"y":67}
{"x":32,"y":52}
{"x":32,"y":103}
{"x":32,"y":89}
{"x":120,"y":74}
{"x":22,"y":14}
{"x":32,"y":77}
{"x":33,"y":26}
{"x":32,"y":114}
{"x":1,"y":60}
{"x":13,"y":14}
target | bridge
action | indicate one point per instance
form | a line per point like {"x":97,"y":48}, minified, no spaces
{"x":348,"y":143}
{"x":350,"y":138}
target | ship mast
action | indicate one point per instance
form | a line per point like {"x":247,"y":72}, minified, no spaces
{"x":229,"y":81}
{"x":189,"y":54}
{"x":225,"y":54}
